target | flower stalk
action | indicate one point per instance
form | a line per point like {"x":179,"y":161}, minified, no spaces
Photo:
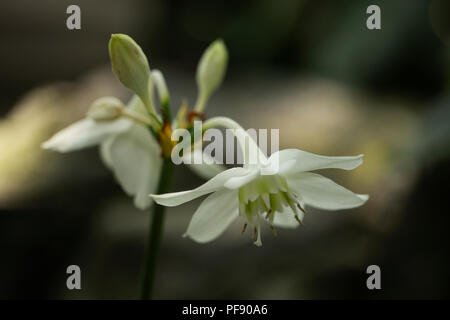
{"x":155,"y":233}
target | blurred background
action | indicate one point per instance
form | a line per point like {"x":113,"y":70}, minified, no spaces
{"x":310,"y":68}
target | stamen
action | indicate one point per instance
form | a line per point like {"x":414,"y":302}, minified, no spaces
{"x":254,"y":233}
{"x":244,"y":228}
{"x":268,"y":213}
{"x":298,"y":220}
{"x":301,"y":208}
{"x":274,"y":231}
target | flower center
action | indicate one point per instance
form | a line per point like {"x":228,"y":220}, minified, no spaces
{"x":165,"y":140}
{"x":265,"y":197}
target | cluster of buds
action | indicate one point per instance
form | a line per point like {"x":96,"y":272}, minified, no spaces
{"x":134,"y":138}
{"x":130,"y":65}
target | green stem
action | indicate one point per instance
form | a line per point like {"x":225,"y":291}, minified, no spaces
{"x":156,"y":230}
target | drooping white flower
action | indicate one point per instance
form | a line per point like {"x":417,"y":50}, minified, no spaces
{"x":126,"y":134}
{"x":256,"y":193}
{"x":127,"y":147}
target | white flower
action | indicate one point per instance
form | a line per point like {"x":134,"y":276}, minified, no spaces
{"x":126,"y":135}
{"x":256,"y":194}
{"x":127,"y":147}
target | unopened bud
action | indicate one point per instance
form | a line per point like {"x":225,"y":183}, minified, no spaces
{"x":130,"y":66}
{"x":161,"y":86}
{"x":211,"y":71}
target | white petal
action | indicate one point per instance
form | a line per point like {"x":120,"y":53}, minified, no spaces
{"x":105,"y":151}
{"x":203,"y":169}
{"x":251,"y":152}
{"x":213,"y":216}
{"x":363,"y":197}
{"x":320,"y":192}
{"x":306,"y":161}
{"x":136,"y":162}
{"x":85,"y":133}
{"x":286,"y":218}
{"x":237,"y":182}
{"x":216,"y":183}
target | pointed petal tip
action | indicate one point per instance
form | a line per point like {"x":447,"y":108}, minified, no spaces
{"x":360,"y":161}
{"x":51,"y":146}
{"x":196,"y":239}
{"x":156,"y":198}
{"x":141,"y":205}
{"x":46,"y":145}
{"x":164,"y":199}
{"x":363,"y":197}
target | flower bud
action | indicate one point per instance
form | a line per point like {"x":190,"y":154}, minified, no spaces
{"x":130,"y":66}
{"x":105,"y":108}
{"x":210,"y":72}
{"x":161,"y":86}
{"x":158,"y":79}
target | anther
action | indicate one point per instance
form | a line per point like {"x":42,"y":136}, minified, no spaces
{"x":268,"y":213}
{"x":298,"y":220}
{"x":244,"y":228}
{"x":274,"y":231}
{"x":301,"y":208}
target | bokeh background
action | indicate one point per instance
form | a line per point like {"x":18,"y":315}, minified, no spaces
{"x":310,"y":68}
